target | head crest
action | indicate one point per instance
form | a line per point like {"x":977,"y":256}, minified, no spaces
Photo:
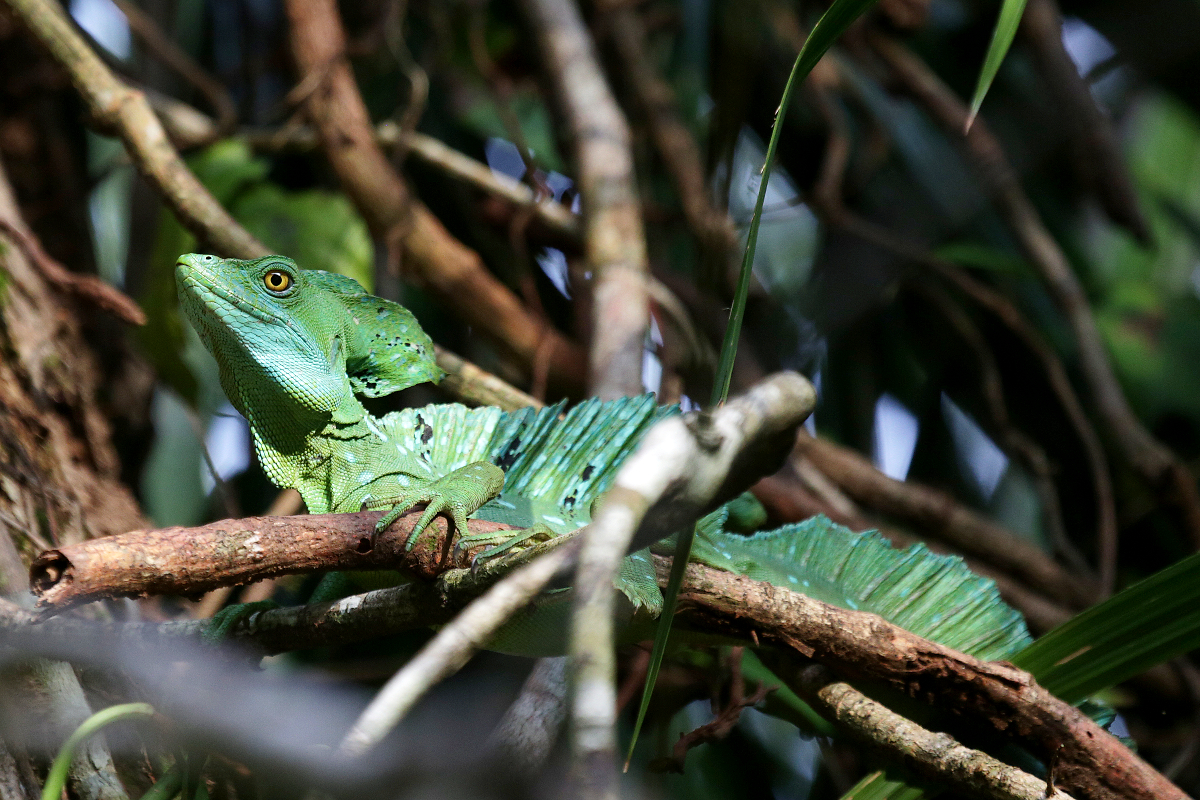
{"x":386,"y":349}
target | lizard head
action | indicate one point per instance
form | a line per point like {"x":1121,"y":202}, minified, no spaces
{"x":304,"y":340}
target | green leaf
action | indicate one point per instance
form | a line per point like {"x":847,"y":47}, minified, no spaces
{"x":1002,"y":37}
{"x":878,"y":786}
{"x":831,"y":25}
{"x":1151,"y":622}
{"x":56,"y":779}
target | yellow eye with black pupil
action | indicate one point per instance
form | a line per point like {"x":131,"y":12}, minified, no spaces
{"x":277,"y":280}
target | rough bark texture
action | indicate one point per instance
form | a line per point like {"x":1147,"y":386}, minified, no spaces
{"x":1091,"y":762}
{"x":191,"y":561}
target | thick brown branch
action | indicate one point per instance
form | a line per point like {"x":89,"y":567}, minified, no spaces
{"x":1091,"y":762}
{"x":191,"y":561}
{"x":447,"y":266}
{"x":614,"y":241}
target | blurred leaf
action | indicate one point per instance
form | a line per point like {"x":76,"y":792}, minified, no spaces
{"x":1002,"y":37}
{"x":980,"y":256}
{"x":483,"y":116}
{"x":1152,"y":621}
{"x":877,"y":786}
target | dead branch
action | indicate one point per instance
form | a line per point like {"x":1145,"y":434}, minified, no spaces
{"x":614,"y":241}
{"x":720,"y":727}
{"x":1153,"y":460}
{"x":455,"y":272}
{"x":191,"y":561}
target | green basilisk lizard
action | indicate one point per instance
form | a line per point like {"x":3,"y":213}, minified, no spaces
{"x":297,"y":349}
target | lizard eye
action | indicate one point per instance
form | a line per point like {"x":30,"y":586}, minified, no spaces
{"x":277,"y":281}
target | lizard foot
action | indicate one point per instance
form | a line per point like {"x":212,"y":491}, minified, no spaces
{"x":458,"y":494}
{"x":502,"y":541}
{"x":224,"y":620}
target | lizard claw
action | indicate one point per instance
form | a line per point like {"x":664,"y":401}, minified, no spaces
{"x":458,"y":494}
{"x":502,"y":542}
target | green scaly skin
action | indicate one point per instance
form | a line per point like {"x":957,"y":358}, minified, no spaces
{"x":295,"y":347}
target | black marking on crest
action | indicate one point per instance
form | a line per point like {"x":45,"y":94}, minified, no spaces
{"x":510,"y":454}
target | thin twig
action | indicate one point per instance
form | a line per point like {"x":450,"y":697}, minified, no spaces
{"x":429,"y":252}
{"x":453,"y":646}
{"x":942,"y":518}
{"x":683,"y":466}
{"x":934,"y":755}
{"x":614,"y":240}
{"x":88,"y":287}
{"x":116,"y":107}
{"x":171,"y":54}
{"x":1052,"y":368}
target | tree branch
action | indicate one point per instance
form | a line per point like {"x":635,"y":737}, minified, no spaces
{"x":452,"y":270}
{"x":933,"y":755}
{"x":860,"y":646}
{"x":942,"y":518}
{"x":1158,"y":466}
{"x":118,"y":108}
{"x":614,"y":241}
{"x":683,"y":466}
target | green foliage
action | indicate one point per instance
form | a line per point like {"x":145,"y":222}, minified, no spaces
{"x":316,"y":228}
{"x":1002,"y":38}
{"x":1152,"y":621}
{"x":56,"y":779}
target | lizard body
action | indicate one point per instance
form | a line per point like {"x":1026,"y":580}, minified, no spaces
{"x":297,"y":349}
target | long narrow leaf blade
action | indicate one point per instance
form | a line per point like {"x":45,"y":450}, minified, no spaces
{"x":1151,"y":622}
{"x":1002,"y":39}
{"x":831,"y":25}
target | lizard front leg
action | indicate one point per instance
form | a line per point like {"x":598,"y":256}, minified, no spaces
{"x":458,"y":494}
